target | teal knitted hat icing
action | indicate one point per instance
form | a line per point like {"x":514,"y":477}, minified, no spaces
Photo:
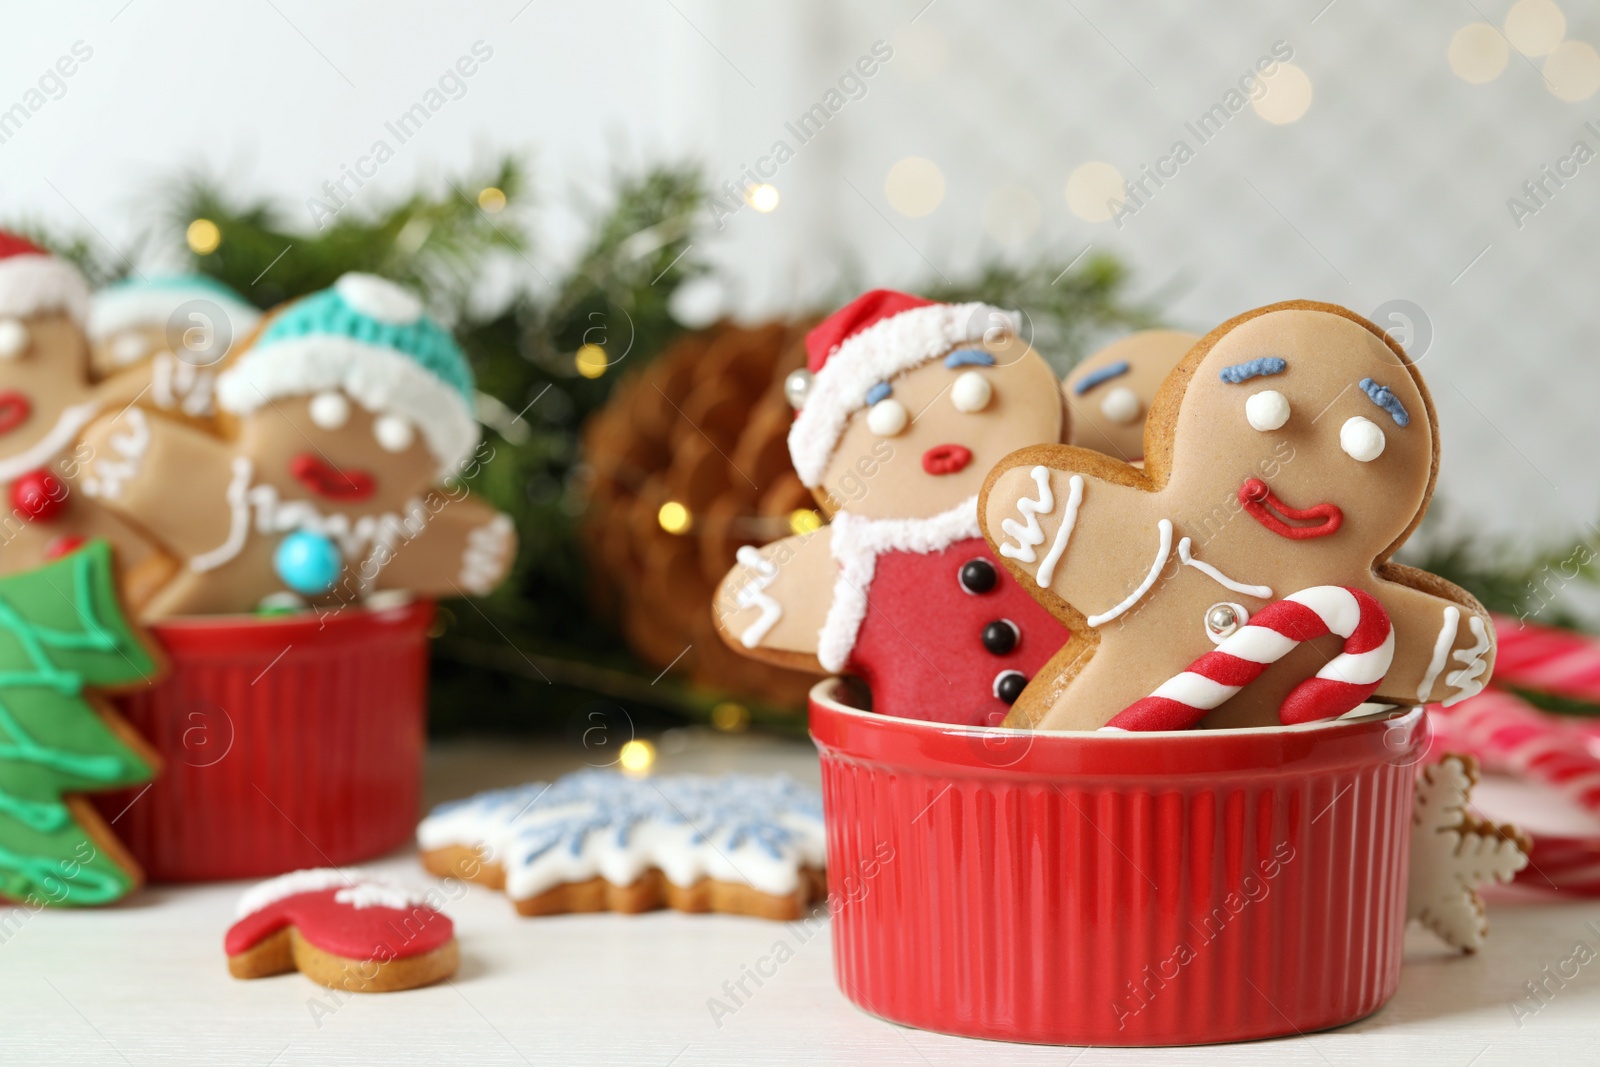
{"x":371,"y":339}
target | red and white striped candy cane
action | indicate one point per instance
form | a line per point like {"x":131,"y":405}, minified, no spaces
{"x":1547,"y":659}
{"x":1345,"y":682}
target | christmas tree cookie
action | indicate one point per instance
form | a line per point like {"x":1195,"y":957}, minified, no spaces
{"x":64,"y":642}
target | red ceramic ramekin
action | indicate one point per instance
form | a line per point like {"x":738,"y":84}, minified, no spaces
{"x":289,"y":742}
{"x":1116,"y":889}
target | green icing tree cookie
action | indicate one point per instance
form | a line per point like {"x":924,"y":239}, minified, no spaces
{"x":63,"y":640}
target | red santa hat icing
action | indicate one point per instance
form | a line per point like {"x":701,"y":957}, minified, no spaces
{"x":870,"y":340}
{"x":33,"y":281}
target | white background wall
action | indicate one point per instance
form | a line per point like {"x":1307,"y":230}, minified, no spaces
{"x":1393,"y":185}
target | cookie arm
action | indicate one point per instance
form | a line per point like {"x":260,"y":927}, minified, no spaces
{"x":125,"y":462}
{"x":465,"y":549}
{"x":1444,"y":638}
{"x":771,"y":606}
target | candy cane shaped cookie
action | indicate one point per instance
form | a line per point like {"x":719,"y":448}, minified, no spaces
{"x":1347,"y":679}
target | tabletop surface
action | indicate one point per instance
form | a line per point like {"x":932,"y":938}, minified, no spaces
{"x":146,"y":982}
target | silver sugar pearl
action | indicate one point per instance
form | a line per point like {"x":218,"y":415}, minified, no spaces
{"x":1222,"y":620}
{"x":796,"y":386}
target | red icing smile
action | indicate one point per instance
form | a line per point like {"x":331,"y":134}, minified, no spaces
{"x":325,"y":479}
{"x":1276,"y":516}
{"x":14,"y":411}
{"x":946,"y":459}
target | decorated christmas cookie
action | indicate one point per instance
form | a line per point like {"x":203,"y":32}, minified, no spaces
{"x":344,"y":930}
{"x":64,"y":644}
{"x":46,"y":399}
{"x":1110,"y":392}
{"x":600,"y":841}
{"x":1243,"y":576}
{"x":348,"y":413}
{"x":164,"y":337}
{"x":1454,"y":852}
{"x":903,"y":408}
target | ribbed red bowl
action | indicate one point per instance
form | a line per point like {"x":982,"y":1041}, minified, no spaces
{"x":289,"y":742}
{"x":1116,"y":889}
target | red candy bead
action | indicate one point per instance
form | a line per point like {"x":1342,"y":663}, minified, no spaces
{"x":39,"y":495}
{"x":64,"y":546}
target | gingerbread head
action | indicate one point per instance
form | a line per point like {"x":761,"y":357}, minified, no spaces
{"x":1110,"y":393}
{"x":904,"y":406}
{"x":45,"y":400}
{"x":165,"y":336}
{"x":1243,"y":576}
{"x":344,"y":417}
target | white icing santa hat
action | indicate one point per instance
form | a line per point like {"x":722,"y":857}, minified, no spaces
{"x":32,"y":281}
{"x":865,"y":343}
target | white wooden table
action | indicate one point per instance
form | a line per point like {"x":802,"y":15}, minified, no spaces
{"x":147,"y":983}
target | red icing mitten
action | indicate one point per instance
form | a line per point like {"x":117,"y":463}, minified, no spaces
{"x":343,"y":930}
{"x":904,"y":407}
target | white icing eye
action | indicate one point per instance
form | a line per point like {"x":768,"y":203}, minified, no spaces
{"x":13,"y":338}
{"x":1266,"y":410}
{"x":971,"y":392}
{"x":887,"y":418}
{"x":1362,"y":439}
{"x":129,"y":348}
{"x":330,"y":410}
{"x":394,"y":433}
{"x":1121,"y":405}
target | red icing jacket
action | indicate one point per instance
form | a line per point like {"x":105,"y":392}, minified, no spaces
{"x":369,"y":933}
{"x":936,"y":628}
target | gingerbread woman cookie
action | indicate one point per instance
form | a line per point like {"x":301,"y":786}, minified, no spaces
{"x":46,"y":399}
{"x":904,"y":406}
{"x":163,"y":338}
{"x":1110,"y":392}
{"x":1243,"y":576}
{"x":348,"y":412}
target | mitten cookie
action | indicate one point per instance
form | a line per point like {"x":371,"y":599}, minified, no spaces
{"x":65,"y":643}
{"x":46,"y":399}
{"x":344,"y":930}
{"x":349,"y":412}
{"x":1243,"y":576}
{"x":600,"y":841}
{"x":163,"y":339}
{"x":905,"y":405}
{"x":1110,"y":393}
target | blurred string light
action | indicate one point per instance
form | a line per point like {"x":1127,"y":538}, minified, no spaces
{"x":763,"y":197}
{"x":590,"y":361}
{"x":1478,"y":53}
{"x":1572,"y":71}
{"x":803,"y":521}
{"x":914,"y":186}
{"x":674,"y":517}
{"x":1288,"y":95}
{"x":1535,"y":27}
{"x":492,"y":200}
{"x":636,"y":758}
{"x":730,"y":718}
{"x":203,"y":236}
{"x":1095,"y":191}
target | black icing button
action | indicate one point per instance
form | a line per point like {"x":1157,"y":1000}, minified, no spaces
{"x":1008,"y":685}
{"x":1001,"y":636}
{"x":977,"y":576}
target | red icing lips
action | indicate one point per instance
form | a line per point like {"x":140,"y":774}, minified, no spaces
{"x":946,"y":459}
{"x":14,"y":410}
{"x":326,"y":480}
{"x":1277,"y":516}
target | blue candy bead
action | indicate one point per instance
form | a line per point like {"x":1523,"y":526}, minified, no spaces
{"x":308,"y":563}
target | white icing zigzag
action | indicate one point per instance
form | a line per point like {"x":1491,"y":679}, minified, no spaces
{"x":359,"y":890}
{"x":1030,"y":536}
{"x":744,"y":829}
{"x":754,"y":595}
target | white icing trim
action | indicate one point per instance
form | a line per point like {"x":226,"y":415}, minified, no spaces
{"x":1030,"y":508}
{"x":856,"y":543}
{"x":110,"y":474}
{"x":1164,"y":528}
{"x":1069,"y":519}
{"x":292,"y":884}
{"x":378,"y":378}
{"x":273,"y":515}
{"x":483,"y":563}
{"x":754,"y":595}
{"x":1473,"y":675}
{"x":238,"y":522}
{"x":1262,"y":592}
{"x":380,"y":895}
{"x":32,"y":283}
{"x":1441,"y":651}
{"x":71,"y":421}
{"x":874,"y":355}
{"x":379,"y":298}
{"x":121,"y":307}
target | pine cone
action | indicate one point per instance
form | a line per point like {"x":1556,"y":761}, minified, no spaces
{"x":705,"y":426}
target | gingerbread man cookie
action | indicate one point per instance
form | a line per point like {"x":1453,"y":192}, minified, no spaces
{"x":46,"y":399}
{"x":348,"y":412}
{"x":904,"y":406}
{"x":163,"y":338}
{"x":1110,"y":392}
{"x":1243,"y":576}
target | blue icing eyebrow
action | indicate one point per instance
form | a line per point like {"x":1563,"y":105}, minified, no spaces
{"x":1104,"y":374}
{"x":1385,"y":399}
{"x":967,"y":357}
{"x":877,"y":393}
{"x":1255,"y":368}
